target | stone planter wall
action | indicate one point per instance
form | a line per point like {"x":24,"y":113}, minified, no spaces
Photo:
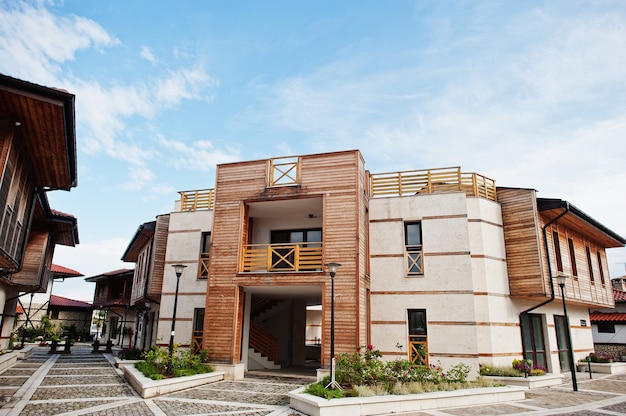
{"x":384,"y":405}
{"x":618,"y":351}
{"x":605,"y":368}
{"x":149,"y":388}
{"x":528,"y":382}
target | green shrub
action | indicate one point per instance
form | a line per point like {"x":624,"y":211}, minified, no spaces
{"x":184,"y":363}
{"x":319,"y":389}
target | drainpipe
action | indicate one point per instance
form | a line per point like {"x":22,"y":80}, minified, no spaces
{"x":545,"y":242}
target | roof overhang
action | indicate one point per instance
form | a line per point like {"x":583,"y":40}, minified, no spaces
{"x":45,"y":120}
{"x":576,"y":219}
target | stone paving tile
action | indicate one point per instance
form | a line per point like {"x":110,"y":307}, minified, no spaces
{"x":81,"y":371}
{"x":23,"y":372}
{"x":49,"y":393}
{"x":236,"y":396}
{"x":176,"y":408}
{"x":133,"y":409}
{"x":618,"y":407}
{"x":609,"y":386}
{"x":493,"y":409}
{"x":12,"y":381}
{"x":55,"y":408}
{"x":550,"y":398}
{"x":84,"y":379}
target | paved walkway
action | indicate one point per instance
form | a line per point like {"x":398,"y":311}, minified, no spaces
{"x":83,"y":383}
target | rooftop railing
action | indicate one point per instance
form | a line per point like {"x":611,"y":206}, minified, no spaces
{"x":202,"y":199}
{"x":431,"y":180}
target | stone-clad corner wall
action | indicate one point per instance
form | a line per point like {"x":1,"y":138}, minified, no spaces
{"x":617,"y":351}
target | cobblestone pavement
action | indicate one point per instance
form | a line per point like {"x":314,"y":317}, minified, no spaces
{"x":82,"y":383}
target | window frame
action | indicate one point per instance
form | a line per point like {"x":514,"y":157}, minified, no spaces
{"x":592,"y":279}
{"x":557,"y":251}
{"x":572,"y":257}
{"x":413,"y":253}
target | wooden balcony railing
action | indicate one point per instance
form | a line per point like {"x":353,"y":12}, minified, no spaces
{"x":418,"y":349}
{"x":289,"y":257}
{"x":284,"y":171}
{"x":202,"y":199}
{"x":431,"y":180}
{"x":264,"y":342}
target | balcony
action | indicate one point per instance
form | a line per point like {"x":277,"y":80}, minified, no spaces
{"x":202,"y":199}
{"x":430,"y":181}
{"x":287,"y":257}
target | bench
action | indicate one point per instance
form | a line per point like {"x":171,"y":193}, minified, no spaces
{"x":108,"y":346}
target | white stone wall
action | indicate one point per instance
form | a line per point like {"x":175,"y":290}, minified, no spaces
{"x":183,"y":246}
{"x":464,"y":288}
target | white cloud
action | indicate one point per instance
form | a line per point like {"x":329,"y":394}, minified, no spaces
{"x":201,"y":155}
{"x":138,"y":178}
{"x":34,"y":42}
{"x":147,"y":54}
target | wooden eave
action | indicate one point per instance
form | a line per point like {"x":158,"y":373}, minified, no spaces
{"x":115,"y":274}
{"x":45,"y":121}
{"x":144,"y":234}
{"x":579,"y":221}
{"x":63,"y":226}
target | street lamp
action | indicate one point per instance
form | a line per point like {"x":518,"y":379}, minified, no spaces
{"x":561,"y":278}
{"x":178,"y":268}
{"x":332,"y":270}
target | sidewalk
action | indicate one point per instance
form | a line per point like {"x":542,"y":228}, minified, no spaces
{"x":82,"y":383}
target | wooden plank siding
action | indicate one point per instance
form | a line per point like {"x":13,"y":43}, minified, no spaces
{"x":155,"y":280}
{"x":35,"y":272}
{"x":339,"y":180}
{"x":527,"y":261}
{"x":580,"y":288}
{"x":522,"y":237}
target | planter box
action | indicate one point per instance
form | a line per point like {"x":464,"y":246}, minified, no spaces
{"x":531,"y":382}
{"x":606,"y":368}
{"x":7,"y":360}
{"x":119,"y":362}
{"x":384,"y":405}
{"x":149,"y":388}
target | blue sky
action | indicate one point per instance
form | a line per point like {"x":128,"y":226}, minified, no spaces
{"x":531,"y":94}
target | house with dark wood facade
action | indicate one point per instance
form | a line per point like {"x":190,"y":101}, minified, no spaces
{"x":37,"y":155}
{"x":112,"y":295}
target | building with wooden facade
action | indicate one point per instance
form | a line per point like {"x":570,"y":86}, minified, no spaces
{"x":37,"y":155}
{"x":437,"y":265}
{"x":112,"y":295}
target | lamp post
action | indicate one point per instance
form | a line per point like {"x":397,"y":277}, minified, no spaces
{"x":561,"y":277}
{"x":178,"y":268}
{"x":332,"y":270}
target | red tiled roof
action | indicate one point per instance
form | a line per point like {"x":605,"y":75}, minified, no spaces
{"x":619,"y":295}
{"x":60,"y":214}
{"x":65,"y":271}
{"x":62,"y":302}
{"x":607,"y":317}
{"x":19,"y":309}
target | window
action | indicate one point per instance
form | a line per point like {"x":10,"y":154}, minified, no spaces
{"x":413,"y":248}
{"x":600,"y":268}
{"x":606,"y":327}
{"x":557,"y":251}
{"x":418,"y":336}
{"x":54,"y":314}
{"x":572,"y":257}
{"x":533,"y":338}
{"x":198,"y":329}
{"x":203,"y":262}
{"x":589,"y":265}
